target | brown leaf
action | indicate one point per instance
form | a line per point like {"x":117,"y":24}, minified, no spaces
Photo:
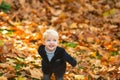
{"x":119,"y":70}
{"x":7,"y":66}
{"x":105,"y":54}
{"x":112,"y":68}
{"x":2,"y":58}
{"x":35,"y":73}
{"x":9,"y":74}
{"x":93,"y":75}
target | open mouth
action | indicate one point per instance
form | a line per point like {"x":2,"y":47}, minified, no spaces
{"x":51,"y":46}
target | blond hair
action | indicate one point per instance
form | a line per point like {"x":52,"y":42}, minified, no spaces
{"x":50,"y":32}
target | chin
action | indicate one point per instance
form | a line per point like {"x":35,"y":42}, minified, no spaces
{"x":52,"y":49}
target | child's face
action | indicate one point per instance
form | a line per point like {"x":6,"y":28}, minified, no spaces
{"x":51,"y":42}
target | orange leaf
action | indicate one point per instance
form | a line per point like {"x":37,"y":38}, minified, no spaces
{"x":3,"y":14}
{"x":112,"y":59}
{"x":17,"y":31}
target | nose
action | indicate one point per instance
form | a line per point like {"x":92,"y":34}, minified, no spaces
{"x":51,"y":42}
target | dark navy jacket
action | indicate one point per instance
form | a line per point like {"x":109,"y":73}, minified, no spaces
{"x":58,"y":62}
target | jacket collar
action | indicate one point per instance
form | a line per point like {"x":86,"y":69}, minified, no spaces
{"x":45,"y":55}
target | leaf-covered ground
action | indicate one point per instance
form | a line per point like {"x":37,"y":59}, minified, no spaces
{"x":89,"y":30}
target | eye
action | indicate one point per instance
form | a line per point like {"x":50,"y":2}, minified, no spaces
{"x":48,"y":40}
{"x":55,"y":40}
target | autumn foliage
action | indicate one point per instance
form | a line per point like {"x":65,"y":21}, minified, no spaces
{"x":89,"y":30}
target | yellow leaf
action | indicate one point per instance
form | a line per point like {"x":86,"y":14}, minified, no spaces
{"x":62,"y":16}
{"x":21,"y":78}
{"x":73,"y":25}
{"x":93,"y":54}
{"x":1,"y":42}
{"x":3,"y":78}
{"x":79,"y":77}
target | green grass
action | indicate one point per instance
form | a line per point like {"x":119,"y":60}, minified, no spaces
{"x":70,"y":44}
{"x":5,"y":7}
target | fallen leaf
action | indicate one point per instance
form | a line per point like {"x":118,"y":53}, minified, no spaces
{"x":20,"y":78}
{"x":3,"y":78}
{"x":73,"y":25}
{"x":112,"y":68}
{"x":79,"y":77}
{"x":35,"y":73}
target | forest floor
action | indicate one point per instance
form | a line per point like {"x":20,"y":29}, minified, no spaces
{"x":89,"y":31}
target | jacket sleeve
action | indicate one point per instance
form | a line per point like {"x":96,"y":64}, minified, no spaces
{"x":40,"y":50}
{"x":69,"y":59}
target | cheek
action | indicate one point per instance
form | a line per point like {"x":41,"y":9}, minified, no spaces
{"x":46,"y":43}
{"x":56,"y":43}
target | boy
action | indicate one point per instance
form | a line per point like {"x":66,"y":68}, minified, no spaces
{"x":54,"y":58}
